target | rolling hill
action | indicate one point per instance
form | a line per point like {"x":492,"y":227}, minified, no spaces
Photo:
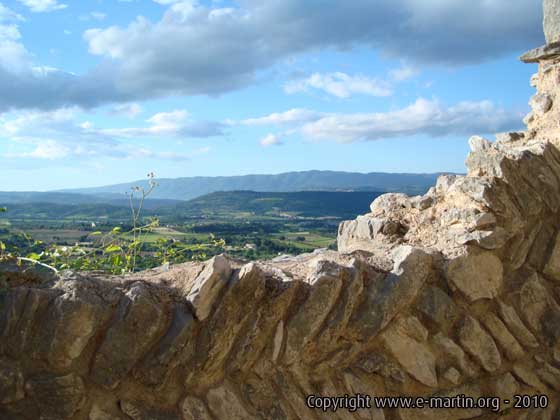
{"x":219,"y":205}
{"x":189,"y":188}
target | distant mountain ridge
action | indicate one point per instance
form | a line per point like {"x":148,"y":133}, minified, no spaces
{"x":75,"y":199}
{"x":220,"y":205}
{"x":192,"y":187}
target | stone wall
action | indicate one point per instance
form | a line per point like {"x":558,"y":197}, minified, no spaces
{"x":454,"y":292}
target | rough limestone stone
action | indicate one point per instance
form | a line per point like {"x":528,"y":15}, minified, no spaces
{"x":529,"y":118}
{"x":540,"y":104}
{"x":164,"y":356}
{"x":325,"y":292}
{"x":533,"y":302}
{"x":101,"y":413}
{"x":75,"y":319}
{"x":225,"y":404}
{"x":479,"y":344}
{"x":544,"y":52}
{"x":479,"y":144}
{"x":389,"y":202}
{"x":208,"y":285}
{"x":516,"y":326}
{"x":504,"y":386}
{"x":449,"y":350}
{"x":444,"y":182}
{"x":58,"y":397}
{"x":437,"y":306}
{"x":452,"y":375}
{"x":527,"y":375}
{"x":194,"y":409}
{"x":477,"y":276}
{"x":509,"y":137}
{"x":415,"y":357}
{"x":503,"y":337}
{"x":385,"y":296}
{"x":551,"y":21}
{"x":356,"y":386}
{"x":11,"y":383}
{"x":550,"y":375}
{"x":412,"y":327}
{"x":116,"y":357}
{"x":552,"y":267}
{"x":137,"y":410}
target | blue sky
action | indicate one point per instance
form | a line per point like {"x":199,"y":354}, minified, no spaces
{"x":101,"y":92}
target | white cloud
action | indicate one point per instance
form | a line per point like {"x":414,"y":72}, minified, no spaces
{"x":167,"y":2}
{"x":403,"y":73}
{"x":271,"y":140}
{"x":149,"y":59}
{"x":8,"y":15}
{"x":48,"y":149}
{"x":175,"y":123}
{"x":128,"y":110}
{"x":62,"y":134}
{"x":292,"y":116}
{"x":228,"y":48}
{"x":423,"y":117}
{"x":340,"y":85}
{"x":41,"y":6}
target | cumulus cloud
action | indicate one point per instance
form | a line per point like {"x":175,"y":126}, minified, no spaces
{"x":242,"y":41}
{"x":63,"y":134}
{"x":41,"y":6}
{"x":229,"y":47}
{"x":271,"y":140}
{"x":7,"y":15}
{"x":423,"y":117}
{"x":175,"y":123}
{"x":340,"y":85}
{"x":403,"y":73}
{"x":131,"y":110}
{"x":292,"y":116}
{"x":166,"y":2}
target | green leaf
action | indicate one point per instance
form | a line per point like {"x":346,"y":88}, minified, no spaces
{"x":2,"y":246}
{"x":34,"y":256}
{"x":97,"y":233}
{"x":113,"y":248}
{"x":116,"y":230}
{"x":3,"y":209}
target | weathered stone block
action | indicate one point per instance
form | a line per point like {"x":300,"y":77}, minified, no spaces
{"x":194,"y":408}
{"x":58,"y":397}
{"x":503,"y":337}
{"x":477,"y":276}
{"x":208,"y":285}
{"x":479,"y":344}
{"x":437,"y":306}
{"x":140,"y":319}
{"x":11,"y":382}
{"x":551,"y":21}
{"x":552,"y":267}
{"x":414,"y":356}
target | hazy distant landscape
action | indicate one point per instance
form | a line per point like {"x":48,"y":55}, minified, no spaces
{"x":300,"y":213}
{"x":192,"y":187}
